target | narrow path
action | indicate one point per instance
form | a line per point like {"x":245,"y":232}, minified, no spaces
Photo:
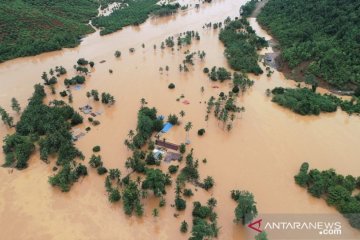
{"x":258,"y":8}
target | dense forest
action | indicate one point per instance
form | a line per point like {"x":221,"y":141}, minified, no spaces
{"x":321,"y":37}
{"x":30,"y":27}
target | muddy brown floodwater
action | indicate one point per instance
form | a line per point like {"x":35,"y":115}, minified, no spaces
{"x":261,"y":154}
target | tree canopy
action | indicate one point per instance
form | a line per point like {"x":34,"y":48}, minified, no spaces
{"x":323,"y":35}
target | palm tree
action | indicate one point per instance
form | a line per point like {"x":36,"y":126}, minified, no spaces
{"x":131,"y":134}
{"x":155,"y":212}
{"x":182,"y":113}
{"x":143,"y":102}
{"x":187,"y":128}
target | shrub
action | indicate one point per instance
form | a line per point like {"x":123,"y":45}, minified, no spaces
{"x":201,"y":132}
{"x":76,"y":119}
{"x":171,"y":86}
{"x":184,"y":227}
{"x":117,"y":54}
{"x":182,"y":148}
{"x":206,"y":70}
{"x":173,"y":119}
{"x":96,"y":149}
{"x":180,"y":204}
{"x":188,"y":192}
{"x":173,"y":169}
{"x":95,"y":161}
{"x":101,"y":170}
{"x":114,"y":195}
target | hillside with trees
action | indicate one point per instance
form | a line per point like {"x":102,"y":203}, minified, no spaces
{"x":30,"y":27}
{"x":321,"y":37}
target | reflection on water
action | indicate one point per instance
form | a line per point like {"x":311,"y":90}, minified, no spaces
{"x":261,"y":154}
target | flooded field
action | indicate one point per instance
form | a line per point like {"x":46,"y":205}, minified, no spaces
{"x":261,"y":154}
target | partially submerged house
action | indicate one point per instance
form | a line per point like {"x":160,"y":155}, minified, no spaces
{"x":165,"y":144}
{"x":86,"y":109}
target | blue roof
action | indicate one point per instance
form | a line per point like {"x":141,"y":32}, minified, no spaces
{"x":166,"y":127}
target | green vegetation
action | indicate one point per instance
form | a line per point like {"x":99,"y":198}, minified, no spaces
{"x":96,"y":148}
{"x":117,"y":54}
{"x":67,"y":176}
{"x":107,"y":98}
{"x":304,"y":101}
{"x":134,"y":14}
{"x":37,"y":26}
{"x":188,"y":192}
{"x":307,"y":102}
{"x":247,"y":9}
{"x":173,"y":169}
{"x":261,"y":236}
{"x":204,"y":221}
{"x":201,"y":131}
{"x":131,"y":199}
{"x":6,"y":118}
{"x":184,"y":227}
{"x":321,"y":37}
{"x":48,"y":126}
{"x":75,"y":80}
{"x":241,"y":44}
{"x":220,"y":74}
{"x":246,"y":210}
{"x":156,"y":181}
{"x":224,"y":108}
{"x":336,"y":189}
{"x":171,"y":86}
{"x":15,"y":105}
{"x":173,"y":119}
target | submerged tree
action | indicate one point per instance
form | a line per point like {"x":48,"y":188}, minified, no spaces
{"x":246,"y":209}
{"x":187,"y":128}
{"x":15,"y":105}
{"x":6,"y":118}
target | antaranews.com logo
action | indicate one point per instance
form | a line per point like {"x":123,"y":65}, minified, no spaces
{"x":303,"y":226}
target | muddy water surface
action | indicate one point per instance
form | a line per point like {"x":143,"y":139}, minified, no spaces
{"x":261,"y":154}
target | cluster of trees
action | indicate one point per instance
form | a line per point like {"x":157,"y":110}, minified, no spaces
{"x":68,"y":174}
{"x":106,"y":98}
{"x":305,"y":101}
{"x":245,"y":210}
{"x":45,"y":25}
{"x":224,"y":108}
{"x":335,"y":188}
{"x":220,"y":74}
{"x":75,"y":80}
{"x":49,"y":127}
{"x":247,"y":9}
{"x":134,"y":13}
{"x":322,"y":35}
{"x":147,"y":123}
{"x":241,"y":82}
{"x":241,"y":45}
{"x":166,"y":9}
{"x":204,"y":220}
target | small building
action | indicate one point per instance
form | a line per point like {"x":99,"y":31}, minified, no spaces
{"x":86,"y":109}
{"x":172,"y":156}
{"x":168,"y":145}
